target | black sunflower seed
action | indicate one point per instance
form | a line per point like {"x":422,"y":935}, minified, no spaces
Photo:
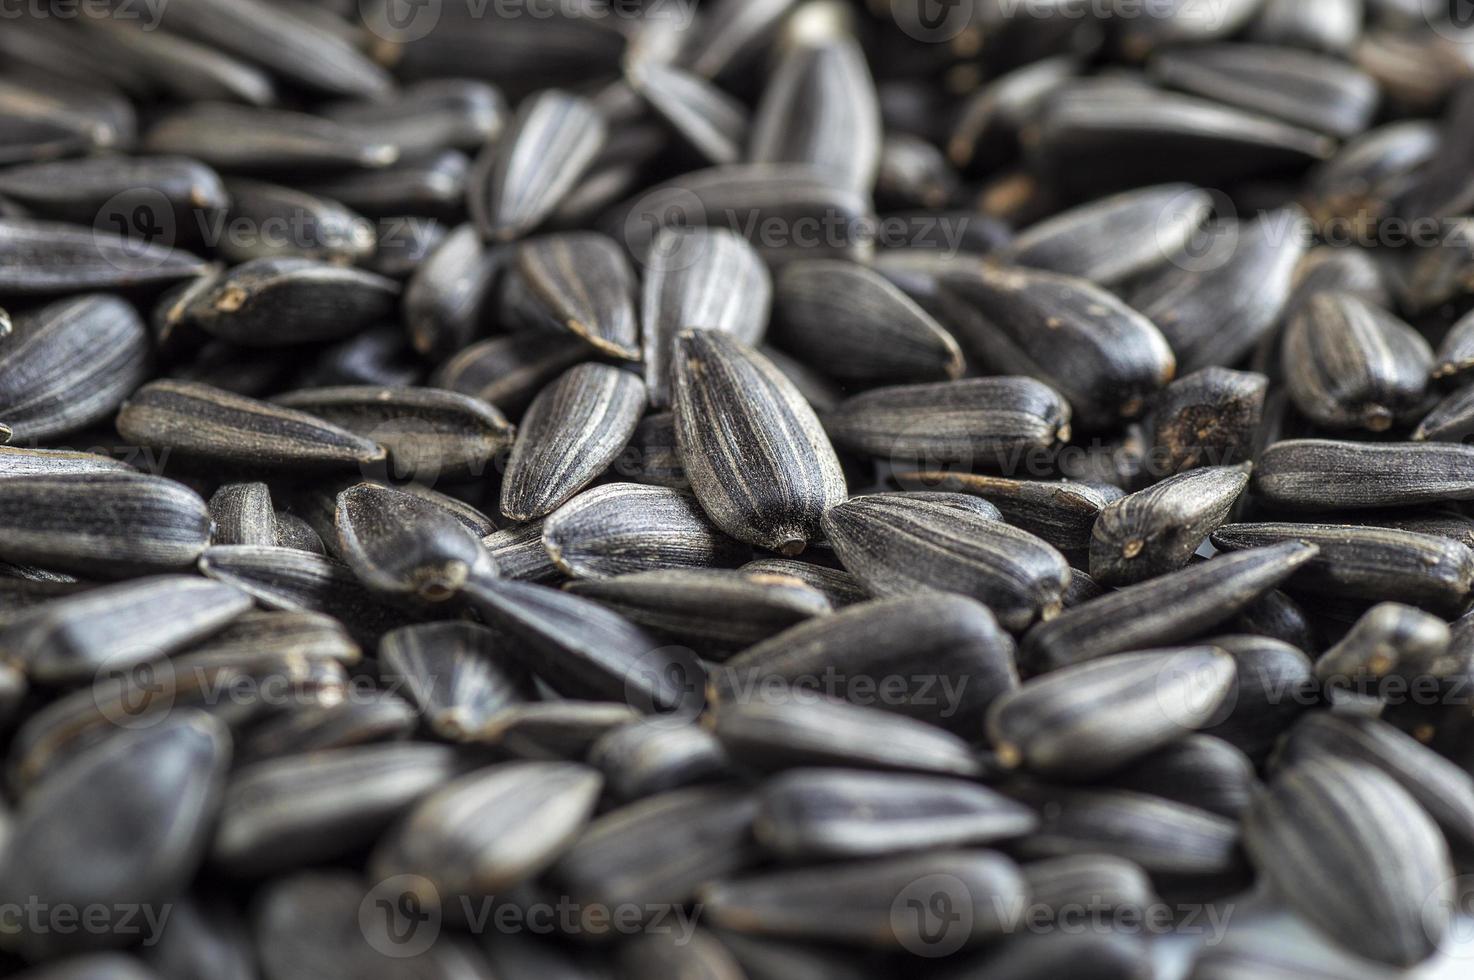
{"x":1157,"y":530}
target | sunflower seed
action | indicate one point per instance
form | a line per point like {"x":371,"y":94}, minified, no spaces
{"x":1368,"y":562}
{"x":700,"y":279}
{"x":293,"y":532}
{"x":583,"y":650}
{"x":430,"y":434}
{"x":1157,"y":530}
{"x":1451,"y":420}
{"x":1348,"y":364}
{"x":378,"y":356}
{"x":445,"y":299}
{"x":1331,"y":26}
{"x":375,"y":717}
{"x":241,"y":139}
{"x":204,"y":935}
{"x":1365,"y":180}
{"x":83,"y":191}
{"x":523,"y":176}
{"x":508,"y":371}
{"x":1377,"y":644}
{"x":582,"y":283}
{"x":426,"y":117}
{"x":645,"y":758}
{"x":286,"y":301}
{"x":1145,"y":228}
{"x":983,"y":887}
{"x":1169,"y":609}
{"x":105,"y":524}
{"x":455,"y":673}
{"x":44,"y":117}
{"x":1218,"y":300}
{"x":1322,"y":474}
{"x":706,"y":117}
{"x":404,"y":547}
{"x":716,"y":612}
{"x":618,"y":861}
{"x":242,"y":514}
{"x":756,"y":455}
{"x":839,"y":587}
{"x":1390,"y":861}
{"x":303,"y":809}
{"x":730,"y":32}
{"x":1208,"y":418}
{"x":964,"y":651}
{"x":134,"y":814}
{"x":489,"y":831}
{"x":519,"y":554}
{"x":555,"y":729}
{"x":178,"y":66}
{"x":1274,"y":684}
{"x":1196,"y":770}
{"x":897,"y":545}
{"x":820,"y":108}
{"x":1303,"y":955}
{"x":213,"y":426}
{"x":1455,"y":357}
{"x":50,"y":258}
{"x":70,"y":364}
{"x":652,"y":457}
{"x":1109,"y":882}
{"x":1018,"y":321}
{"x":575,"y":428}
{"x":1092,"y":718}
{"x":914,"y":174}
{"x":1089,"y":955}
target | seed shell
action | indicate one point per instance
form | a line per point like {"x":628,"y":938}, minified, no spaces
{"x":1379,"y":643}
{"x":46,"y":258}
{"x":648,"y":757}
{"x":1324,"y":474}
{"x":455,"y":673}
{"x":705,"y":116}
{"x":244,"y":139}
{"x":508,"y":371}
{"x":1197,"y":770}
{"x":405,"y":547}
{"x":1157,"y":530}
{"x":242,"y":514}
{"x":1208,"y":418}
{"x":839,"y":587}
{"x":583,"y":283}
{"x":277,"y":302}
{"x":1274,"y":684}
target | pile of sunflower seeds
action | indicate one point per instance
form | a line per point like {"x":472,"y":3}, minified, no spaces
{"x":748,"y":489}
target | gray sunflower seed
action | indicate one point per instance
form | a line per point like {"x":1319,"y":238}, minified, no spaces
{"x":313,"y":227}
{"x":773,"y":737}
{"x":839,"y":587}
{"x":898,"y":545}
{"x":45,"y":117}
{"x":1368,"y":562}
{"x":582,"y":283}
{"x":111,"y":525}
{"x":47,"y":257}
{"x":1329,"y":269}
{"x":1217,"y":301}
{"x":575,"y":428}
{"x":1157,"y":530}
{"x":1274,"y":684}
{"x":1164,"y":610}
{"x":297,"y":634}
{"x":621,"y":859}
{"x":508,"y":371}
{"x":1391,"y":864}
{"x":840,"y":814}
{"x":300,"y":581}
{"x":303,"y":809}
{"x":405,"y":547}
{"x":583,"y":650}
{"x":1196,"y":770}
{"x":1303,"y":955}
{"x":70,"y":364}
{"x":178,"y":66}
{"x":1208,"y":418}
{"x":649,"y":757}
{"x":820,"y":108}
{"x":716,"y":612}
{"x":706,"y":117}
{"x":1060,"y":513}
{"x":241,"y":139}
{"x":555,"y":729}
{"x":1455,"y":357}
{"x":293,"y":47}
{"x":1365,"y":180}
{"x":293,"y":532}
{"x":81,"y":190}
{"x":243,"y":514}
{"x":205,"y":935}
{"x":800,"y":903}
{"x":1322,"y":474}
{"x":1184,"y":21}
{"x":134,"y":813}
{"x":1443,"y":789}
{"x":1163,"y":837}
{"x":859,"y":327}
{"x":1438,"y":273}
{"x":1115,"y":238}
{"x":749,"y":197}
{"x":1379,"y":642}
{"x":757,"y":457}
{"x":729,"y":34}
{"x":321,"y":727}
{"x":444,"y":301}
{"x":957,"y":639}
{"x":1348,"y":364}
{"x":1082,"y":589}
{"x":1091,"y":718}
{"x":1451,"y":420}
{"x":1088,"y":879}
{"x":215,"y":426}
{"x":1310,"y":90}
{"x":1330,"y":26}
{"x":652,"y":457}
{"x":71,"y":639}
{"x":489,"y":831}
{"x":1100,"y":354}
{"x":285,"y":301}
{"x":519,"y":554}
{"x":430,"y":434}
{"x":993,"y":116}
{"x":426,"y":117}
{"x":522,"y":177}
{"x":700,"y":279}
{"x":455,"y":673}
{"x":914,"y":173}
